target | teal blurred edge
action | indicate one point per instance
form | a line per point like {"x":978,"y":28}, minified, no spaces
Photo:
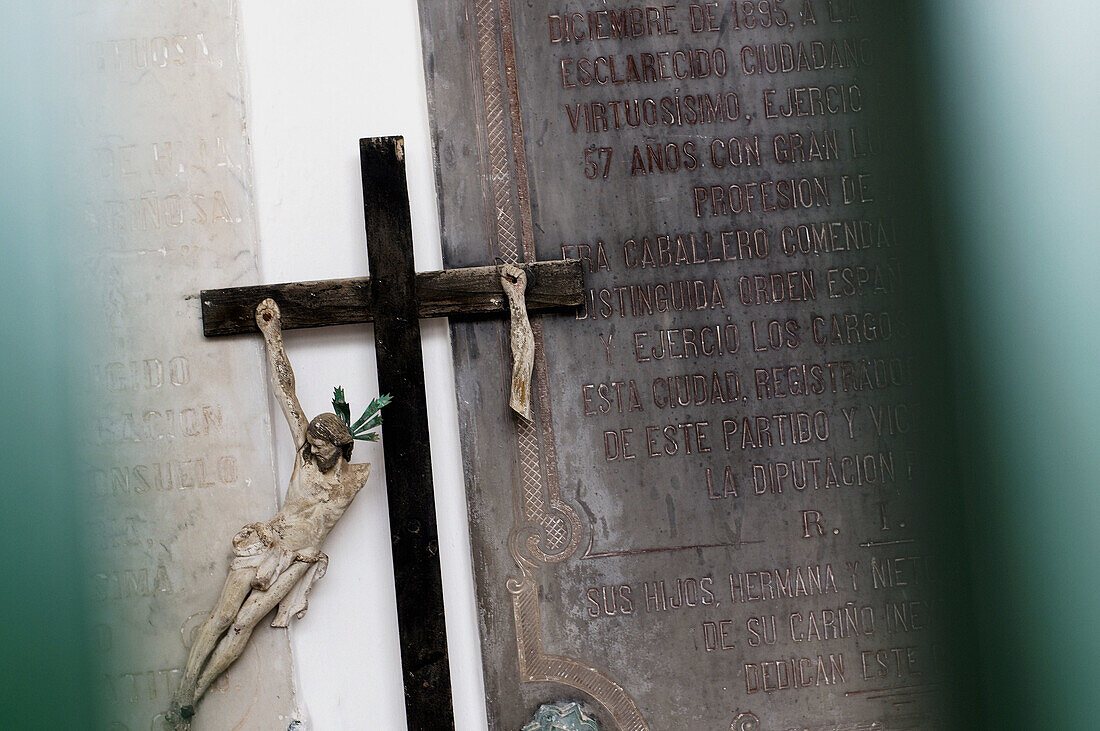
{"x":1011,"y":114}
{"x":46,"y":671}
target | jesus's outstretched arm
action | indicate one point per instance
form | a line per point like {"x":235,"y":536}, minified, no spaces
{"x":282,"y":375}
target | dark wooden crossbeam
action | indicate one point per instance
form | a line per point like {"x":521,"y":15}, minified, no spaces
{"x":394,"y":298}
{"x":551,"y":285}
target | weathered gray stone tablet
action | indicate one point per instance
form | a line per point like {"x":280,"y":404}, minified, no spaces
{"x":710,"y":523}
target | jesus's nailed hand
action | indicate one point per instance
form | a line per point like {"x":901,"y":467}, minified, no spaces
{"x":267,"y":316}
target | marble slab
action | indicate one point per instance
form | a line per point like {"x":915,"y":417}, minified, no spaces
{"x":179,"y":449}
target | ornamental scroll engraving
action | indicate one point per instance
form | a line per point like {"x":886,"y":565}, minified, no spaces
{"x":557,"y":528}
{"x":547,"y":529}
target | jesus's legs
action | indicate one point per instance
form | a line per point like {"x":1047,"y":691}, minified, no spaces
{"x":237,"y":586}
{"x":258,"y":604}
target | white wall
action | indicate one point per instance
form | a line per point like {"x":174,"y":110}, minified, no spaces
{"x":321,"y":76}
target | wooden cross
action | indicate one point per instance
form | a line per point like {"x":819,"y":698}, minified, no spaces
{"x":394,"y":297}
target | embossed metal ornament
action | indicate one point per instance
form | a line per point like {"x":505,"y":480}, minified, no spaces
{"x":561,"y":717}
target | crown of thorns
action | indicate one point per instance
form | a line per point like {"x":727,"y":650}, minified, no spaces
{"x":364,"y":426}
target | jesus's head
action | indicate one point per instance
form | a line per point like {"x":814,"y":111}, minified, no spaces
{"x":327,"y":438}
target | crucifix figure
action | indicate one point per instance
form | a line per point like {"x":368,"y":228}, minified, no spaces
{"x":394,"y":298}
{"x":276,"y":562}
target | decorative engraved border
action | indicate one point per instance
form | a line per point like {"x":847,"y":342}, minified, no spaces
{"x":547,"y":528}
{"x":748,"y":721}
{"x":539,"y":500}
{"x":536,"y":665}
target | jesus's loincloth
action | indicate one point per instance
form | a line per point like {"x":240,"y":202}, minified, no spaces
{"x":255,"y":547}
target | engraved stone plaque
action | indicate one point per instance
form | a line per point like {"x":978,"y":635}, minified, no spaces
{"x":179,"y":447}
{"x":713,"y":521}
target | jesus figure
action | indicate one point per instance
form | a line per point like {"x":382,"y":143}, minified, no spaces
{"x":276,"y":562}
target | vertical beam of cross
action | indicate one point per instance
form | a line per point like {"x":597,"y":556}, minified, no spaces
{"x":417,"y":574}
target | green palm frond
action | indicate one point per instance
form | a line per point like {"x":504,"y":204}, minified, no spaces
{"x":364,"y":426}
{"x":340,"y":406}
